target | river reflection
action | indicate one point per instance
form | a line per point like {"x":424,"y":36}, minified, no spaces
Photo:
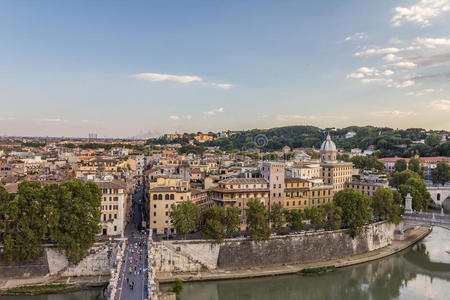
{"x":422,"y":272}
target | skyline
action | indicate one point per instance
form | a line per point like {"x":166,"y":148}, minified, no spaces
{"x":144,"y":69}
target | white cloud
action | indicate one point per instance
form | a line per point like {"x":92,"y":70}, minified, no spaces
{"x":54,"y":120}
{"x":375,"y":51}
{"x":392,"y":57}
{"x":433,"y":42}
{"x":214,"y":111}
{"x":421,"y":12}
{"x":424,"y":91}
{"x":367,"y":70}
{"x":389,"y":82}
{"x":404,"y":64}
{"x":442,"y":104}
{"x":355,"y":75}
{"x":188,"y":117}
{"x":7,"y":119}
{"x":406,"y":83}
{"x":373,"y":80}
{"x":357,"y":36}
{"x":174,"y":117}
{"x":393,"y":113}
{"x":291,"y":118}
{"x":155,"y":77}
{"x":378,"y":51}
{"x":387,"y":72}
{"x":222,"y":85}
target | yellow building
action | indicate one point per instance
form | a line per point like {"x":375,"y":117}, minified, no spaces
{"x":296,"y":193}
{"x":238,"y":191}
{"x":301,"y":193}
{"x":334,"y":172}
{"x":163,"y":193}
{"x":201,"y":138}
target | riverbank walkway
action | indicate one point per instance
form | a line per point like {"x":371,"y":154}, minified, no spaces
{"x":411,"y":237}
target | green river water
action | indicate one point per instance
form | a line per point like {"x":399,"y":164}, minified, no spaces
{"x":420,"y":272}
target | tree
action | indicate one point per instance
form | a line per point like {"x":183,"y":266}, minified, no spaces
{"x":220,"y":223}
{"x":419,"y":192}
{"x":333,"y":215}
{"x":316,"y":216}
{"x":177,"y":286}
{"x":399,"y":178}
{"x":400,"y":165}
{"x":416,"y":166}
{"x":294,"y":218}
{"x":73,"y":213}
{"x":185,"y":217}
{"x":232,"y":221}
{"x":433,"y":140}
{"x":355,"y":210}
{"x":441,"y":174}
{"x":26,"y":226}
{"x":276,"y":216}
{"x":385,"y":205}
{"x":258,"y":220}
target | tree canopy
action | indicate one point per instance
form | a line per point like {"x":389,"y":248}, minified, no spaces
{"x":258,"y":220}
{"x":68,"y":214}
{"x":441,"y":174}
{"x":356,"y":209}
{"x":185,"y":217}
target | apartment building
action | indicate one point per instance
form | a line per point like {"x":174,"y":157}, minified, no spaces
{"x":114,"y":206}
{"x":163,"y":193}
{"x":238,"y":191}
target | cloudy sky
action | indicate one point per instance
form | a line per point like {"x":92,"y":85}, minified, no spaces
{"x":142,"y":68}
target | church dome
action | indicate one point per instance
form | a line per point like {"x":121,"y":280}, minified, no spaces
{"x":328,"y":145}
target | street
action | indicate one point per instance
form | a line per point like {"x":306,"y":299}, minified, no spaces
{"x":134,"y":273}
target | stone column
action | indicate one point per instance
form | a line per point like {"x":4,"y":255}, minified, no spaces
{"x":408,"y":203}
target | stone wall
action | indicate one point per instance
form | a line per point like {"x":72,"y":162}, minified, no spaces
{"x":198,"y":255}
{"x":98,"y":261}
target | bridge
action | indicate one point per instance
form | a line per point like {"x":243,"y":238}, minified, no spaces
{"x":426,"y":218}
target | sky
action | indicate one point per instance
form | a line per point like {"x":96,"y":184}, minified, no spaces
{"x":144,"y":68}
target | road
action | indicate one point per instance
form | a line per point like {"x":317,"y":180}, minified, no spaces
{"x":134,"y":273}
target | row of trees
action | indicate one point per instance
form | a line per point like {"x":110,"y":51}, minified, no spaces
{"x":350,"y":209}
{"x":67,"y":214}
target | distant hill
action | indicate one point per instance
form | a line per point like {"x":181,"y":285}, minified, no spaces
{"x":387,"y":141}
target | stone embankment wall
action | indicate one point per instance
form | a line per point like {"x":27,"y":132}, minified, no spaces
{"x":99,"y":260}
{"x":200,"y":255}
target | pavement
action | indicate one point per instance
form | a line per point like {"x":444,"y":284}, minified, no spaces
{"x":134,"y":273}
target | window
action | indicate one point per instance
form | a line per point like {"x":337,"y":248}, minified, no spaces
{"x":115,"y":217}
{"x":167,"y":213}
{"x":172,"y":196}
{"x":110,"y":216}
{"x":166,"y":197}
{"x":181,"y":197}
{"x":154,"y":205}
{"x":115,"y":228}
{"x":104,"y":217}
{"x":167,"y":205}
{"x":293,"y":203}
{"x":154,"y":221}
{"x":116,"y":198}
{"x":154,"y":213}
{"x":160,"y":197}
{"x":110,"y":207}
{"x":155,"y":197}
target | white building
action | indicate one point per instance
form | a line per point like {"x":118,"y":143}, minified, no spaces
{"x":114,"y":207}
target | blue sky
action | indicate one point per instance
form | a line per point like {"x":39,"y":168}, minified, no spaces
{"x":142,"y":68}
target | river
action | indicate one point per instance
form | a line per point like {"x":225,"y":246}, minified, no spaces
{"x":420,"y":272}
